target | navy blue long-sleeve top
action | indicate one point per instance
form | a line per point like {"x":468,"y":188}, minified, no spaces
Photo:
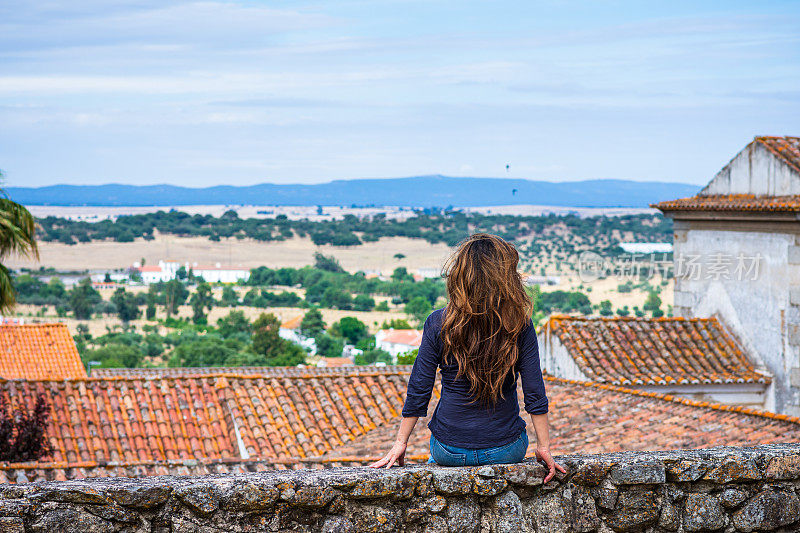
{"x":459,"y":420}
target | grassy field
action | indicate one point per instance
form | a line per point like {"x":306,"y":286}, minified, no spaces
{"x":294,"y":252}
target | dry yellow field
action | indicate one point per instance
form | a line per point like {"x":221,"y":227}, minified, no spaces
{"x":295,"y":252}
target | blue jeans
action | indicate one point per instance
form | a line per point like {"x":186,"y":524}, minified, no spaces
{"x":445,"y":455}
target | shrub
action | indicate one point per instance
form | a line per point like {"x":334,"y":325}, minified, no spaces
{"x":23,"y":433}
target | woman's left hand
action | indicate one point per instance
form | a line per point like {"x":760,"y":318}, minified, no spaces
{"x":397,"y":453}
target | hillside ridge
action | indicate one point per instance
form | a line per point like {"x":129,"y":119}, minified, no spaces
{"x":417,"y":191}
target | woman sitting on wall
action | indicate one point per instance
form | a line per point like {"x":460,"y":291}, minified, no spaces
{"x":482,"y":340}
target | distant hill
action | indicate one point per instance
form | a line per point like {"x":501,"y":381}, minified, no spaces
{"x":420,"y":191}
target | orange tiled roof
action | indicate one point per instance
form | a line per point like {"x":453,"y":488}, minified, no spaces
{"x":38,"y":351}
{"x":184,"y":426}
{"x":654,"y":351}
{"x":590,"y":417}
{"x":151,"y":420}
{"x":292,"y":323}
{"x":411,"y":337}
{"x":270,"y":371}
{"x":786,"y":149}
{"x":732,"y":202}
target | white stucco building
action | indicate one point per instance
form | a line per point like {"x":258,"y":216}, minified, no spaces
{"x":737,"y":257}
{"x":168,"y":270}
{"x":398,"y":341}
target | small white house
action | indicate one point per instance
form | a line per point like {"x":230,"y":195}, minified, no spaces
{"x":398,"y":341}
{"x":217,"y":273}
{"x":163,"y":271}
{"x":290,"y":331}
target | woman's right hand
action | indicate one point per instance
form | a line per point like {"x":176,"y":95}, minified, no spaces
{"x":543,"y":455}
{"x":397,"y":453}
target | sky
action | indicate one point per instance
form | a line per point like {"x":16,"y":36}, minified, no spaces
{"x":200,"y":93}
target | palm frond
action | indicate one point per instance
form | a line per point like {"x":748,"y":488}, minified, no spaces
{"x":17,"y":230}
{"x":8,"y":296}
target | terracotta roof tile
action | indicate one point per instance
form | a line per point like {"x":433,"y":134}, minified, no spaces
{"x":272,"y":371}
{"x":38,"y":351}
{"x":189,"y":425}
{"x":292,"y":323}
{"x":653,"y":351}
{"x":785,"y":148}
{"x":732,"y":202}
{"x":411,"y":337}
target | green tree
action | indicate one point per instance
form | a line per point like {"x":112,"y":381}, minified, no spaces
{"x":115,"y":355}
{"x":150,"y":311}
{"x":206,"y":350}
{"x":652,"y":303}
{"x":18,"y":237}
{"x":329,"y":346}
{"x":401,"y":274}
{"x":329,"y":264}
{"x":312,"y":323}
{"x":363,"y":302}
{"x":407,"y":358}
{"x":351,"y":329}
{"x":396,"y":323}
{"x":376,"y":355}
{"x":82,"y":298}
{"x":229,"y":296}
{"x":605,"y":308}
{"x":269,"y":347}
{"x":126,"y":304}
{"x":175,"y":294}
{"x":201,"y":300}
{"x":336,"y":298}
{"x":234,"y":322}
{"x":419,"y":308}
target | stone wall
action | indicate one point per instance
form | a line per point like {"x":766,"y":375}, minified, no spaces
{"x":720,"y":489}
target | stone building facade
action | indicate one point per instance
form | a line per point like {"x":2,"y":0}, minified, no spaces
{"x":737,"y":257}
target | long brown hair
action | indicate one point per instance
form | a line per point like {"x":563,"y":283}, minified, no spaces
{"x":488,"y":309}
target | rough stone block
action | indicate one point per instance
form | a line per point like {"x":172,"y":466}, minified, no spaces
{"x":703,"y":512}
{"x":489,"y":487}
{"x":12,"y":525}
{"x":376,"y":519}
{"x":785,"y":467}
{"x":733,"y":469}
{"x":591,"y":474}
{"x":506,"y":513}
{"x":640,"y":473}
{"x":463,"y":515}
{"x":525,"y":475}
{"x":768,"y":510}
{"x":200,"y":499}
{"x":139,"y":497}
{"x":250,"y":497}
{"x":549,"y":513}
{"x":635,"y":510}
{"x":452,"y":481}
{"x":732,"y":498}
{"x":584,"y":512}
